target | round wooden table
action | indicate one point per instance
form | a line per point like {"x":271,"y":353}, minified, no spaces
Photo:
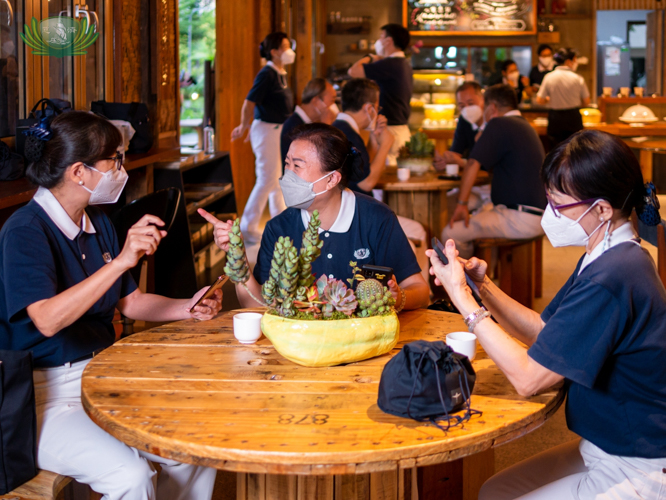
{"x":190,"y":392}
{"x":647,"y":149}
{"x":422,"y":197}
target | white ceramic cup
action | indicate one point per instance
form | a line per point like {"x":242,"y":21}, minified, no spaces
{"x":607,"y":91}
{"x":462,"y":343}
{"x":247,"y":327}
{"x":638,"y":91}
{"x":404,"y":174}
{"x":452,"y":169}
{"x":624,"y":91}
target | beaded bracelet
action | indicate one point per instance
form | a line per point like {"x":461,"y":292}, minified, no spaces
{"x":403,"y":299}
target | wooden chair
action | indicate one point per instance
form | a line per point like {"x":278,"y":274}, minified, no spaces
{"x":519,"y":266}
{"x":44,"y":486}
{"x":655,"y":235}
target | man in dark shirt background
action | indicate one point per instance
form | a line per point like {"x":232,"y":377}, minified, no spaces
{"x":510,"y":149}
{"x":317,"y":106}
{"x":393,"y":73}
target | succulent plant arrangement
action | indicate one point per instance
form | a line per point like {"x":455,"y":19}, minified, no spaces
{"x":418,"y":146}
{"x":291,"y":290}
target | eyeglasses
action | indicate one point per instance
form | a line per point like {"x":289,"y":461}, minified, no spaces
{"x":118,"y":159}
{"x":556,"y":208}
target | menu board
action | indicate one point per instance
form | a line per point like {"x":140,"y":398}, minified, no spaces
{"x":470,"y":17}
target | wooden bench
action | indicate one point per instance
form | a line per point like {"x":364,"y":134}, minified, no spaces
{"x":519,"y":266}
{"x":44,"y":486}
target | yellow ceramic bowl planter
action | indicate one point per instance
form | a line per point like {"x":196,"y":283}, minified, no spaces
{"x":331,"y":342}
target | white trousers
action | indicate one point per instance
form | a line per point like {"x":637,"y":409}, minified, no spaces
{"x":71,"y":444}
{"x":402,"y":135}
{"x":579,"y":470}
{"x":492,"y":222}
{"x":265,"y":140}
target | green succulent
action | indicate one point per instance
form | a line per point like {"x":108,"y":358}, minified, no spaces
{"x":236,"y":267}
{"x":310,"y":251}
{"x":374,"y":299}
{"x":418,"y":146}
{"x":338,"y":298}
{"x":279,"y":290}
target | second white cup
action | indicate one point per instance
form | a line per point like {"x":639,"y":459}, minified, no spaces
{"x":452,"y":169}
{"x":404,"y":174}
{"x":462,"y":343}
{"x":247,"y":327}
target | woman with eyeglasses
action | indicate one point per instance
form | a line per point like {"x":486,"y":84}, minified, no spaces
{"x":270,"y":101}
{"x":62,"y":275}
{"x":603,"y":334}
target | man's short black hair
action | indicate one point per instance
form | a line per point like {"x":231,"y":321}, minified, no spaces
{"x":357,"y":92}
{"x":507,"y":63}
{"x":543,"y":47}
{"x":503,"y":96}
{"x":470,"y":86}
{"x":399,"y":35}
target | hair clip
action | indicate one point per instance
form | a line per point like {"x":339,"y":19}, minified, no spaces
{"x":41,"y":130}
{"x":650,"y":215}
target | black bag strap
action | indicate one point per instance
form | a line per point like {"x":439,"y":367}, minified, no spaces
{"x":45,"y":102}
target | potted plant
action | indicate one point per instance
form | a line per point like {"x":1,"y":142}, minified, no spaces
{"x":417,"y":154}
{"x":317,"y":322}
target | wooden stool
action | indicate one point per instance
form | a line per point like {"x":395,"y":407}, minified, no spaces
{"x":44,"y":486}
{"x":520,"y":266}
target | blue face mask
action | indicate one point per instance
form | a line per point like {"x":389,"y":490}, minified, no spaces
{"x":297,"y":192}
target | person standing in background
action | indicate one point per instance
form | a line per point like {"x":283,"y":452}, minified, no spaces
{"x":510,"y":75}
{"x":317,"y":106}
{"x":271,"y":102}
{"x":565,"y":93}
{"x":545,"y":65}
{"x":390,"y":69}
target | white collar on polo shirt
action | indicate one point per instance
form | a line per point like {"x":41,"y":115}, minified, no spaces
{"x":513,"y":112}
{"x":59,"y":216}
{"x":345,"y":216}
{"x":279,"y":71}
{"x":348,"y":118}
{"x":398,"y":53}
{"x":623,"y":233}
{"x":304,"y":116}
{"x":564,"y":67}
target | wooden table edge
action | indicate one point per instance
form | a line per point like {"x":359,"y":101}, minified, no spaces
{"x":234,"y":460}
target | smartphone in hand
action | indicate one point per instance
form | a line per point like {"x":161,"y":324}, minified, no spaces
{"x":219,"y":282}
{"x":439,"y":249}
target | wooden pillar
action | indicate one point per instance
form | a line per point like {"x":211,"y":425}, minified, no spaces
{"x":304,"y":51}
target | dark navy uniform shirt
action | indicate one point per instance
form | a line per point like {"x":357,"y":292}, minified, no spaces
{"x":273,"y":99}
{"x":285,"y":140}
{"x":38,"y":261}
{"x":394,"y":77}
{"x":463,"y":138}
{"x":366,"y":231}
{"x":606,"y":334}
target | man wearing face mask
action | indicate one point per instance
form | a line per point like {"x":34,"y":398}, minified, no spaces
{"x":565,"y":93}
{"x":510,"y":149}
{"x":545,"y":65}
{"x":510,"y":75}
{"x":270,"y":101}
{"x":360,"y":105}
{"x":317,"y":106}
{"x":392,"y":72}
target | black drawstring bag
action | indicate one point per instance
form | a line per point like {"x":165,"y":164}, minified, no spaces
{"x":427,"y":381}
{"x":48,"y":108}
{"x":137,"y":114}
{"x":18,"y":422}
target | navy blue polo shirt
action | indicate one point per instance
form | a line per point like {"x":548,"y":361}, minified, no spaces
{"x":285,"y":136}
{"x":39,"y":261}
{"x":394,"y":77}
{"x":372,"y":236}
{"x":357,"y":141}
{"x":463,"y":138}
{"x":273,"y":99}
{"x":606,"y":334}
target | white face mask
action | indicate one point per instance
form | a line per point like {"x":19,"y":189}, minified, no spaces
{"x":472,"y":113}
{"x":288,"y":57}
{"x":297,"y":192}
{"x":513,"y":77}
{"x":109,"y":187}
{"x":379,"y":47}
{"x":546,"y":62}
{"x":565,"y":232}
{"x":373,"y":121}
{"x":334,"y":110}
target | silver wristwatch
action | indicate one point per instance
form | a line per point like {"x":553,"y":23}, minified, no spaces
{"x":475,"y":318}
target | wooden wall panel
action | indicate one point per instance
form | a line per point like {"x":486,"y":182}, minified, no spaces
{"x":303,"y":36}
{"x":129,"y":85}
{"x":168,"y":111}
{"x":629,"y":4}
{"x":241,"y":25}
